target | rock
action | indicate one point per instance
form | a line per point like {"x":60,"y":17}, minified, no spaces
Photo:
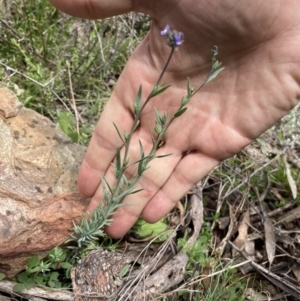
{"x":38,"y":191}
{"x":96,"y":277}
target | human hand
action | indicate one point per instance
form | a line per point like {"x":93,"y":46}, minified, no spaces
{"x":259,"y":45}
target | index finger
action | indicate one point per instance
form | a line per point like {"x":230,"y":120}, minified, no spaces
{"x":93,"y":9}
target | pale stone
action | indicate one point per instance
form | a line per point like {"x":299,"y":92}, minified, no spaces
{"x":38,"y":190}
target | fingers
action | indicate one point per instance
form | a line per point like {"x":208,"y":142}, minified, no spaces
{"x":93,"y":9}
{"x":191,"y":169}
{"x":175,"y":175}
{"x":150,"y":183}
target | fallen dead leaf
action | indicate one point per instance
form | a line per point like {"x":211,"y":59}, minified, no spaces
{"x":231,"y":230}
{"x":223,"y":222}
{"x":290,"y":179}
{"x":241,"y":240}
{"x":296,"y":271}
{"x":270,"y":239}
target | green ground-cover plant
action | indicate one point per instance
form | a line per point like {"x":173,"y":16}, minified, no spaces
{"x":225,"y":286}
{"x":198,"y":252}
{"x":210,"y":279}
{"x":52,"y":271}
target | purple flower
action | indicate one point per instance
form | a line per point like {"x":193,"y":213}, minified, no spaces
{"x":165,"y":31}
{"x":174,"y":38}
{"x":177,"y":38}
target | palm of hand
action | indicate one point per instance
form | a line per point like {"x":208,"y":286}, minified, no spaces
{"x":259,"y":46}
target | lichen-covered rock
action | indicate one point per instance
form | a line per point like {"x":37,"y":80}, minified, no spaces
{"x":38,"y":191}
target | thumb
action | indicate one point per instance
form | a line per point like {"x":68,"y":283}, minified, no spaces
{"x":93,"y":9}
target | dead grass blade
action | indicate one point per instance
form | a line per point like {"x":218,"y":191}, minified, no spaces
{"x":270,"y":237}
{"x":196,"y":211}
{"x":242,"y":238}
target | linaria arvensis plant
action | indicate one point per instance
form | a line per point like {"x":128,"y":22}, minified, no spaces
{"x":91,"y":228}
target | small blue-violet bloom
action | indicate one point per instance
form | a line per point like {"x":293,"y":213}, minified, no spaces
{"x":177,"y":38}
{"x":165,"y":31}
{"x":174,"y":38}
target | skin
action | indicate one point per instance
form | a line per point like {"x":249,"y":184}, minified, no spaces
{"x":259,"y":45}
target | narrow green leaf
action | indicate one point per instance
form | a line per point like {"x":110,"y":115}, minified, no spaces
{"x":180,"y":112}
{"x":188,"y":85}
{"x":126,"y":137}
{"x":121,"y":196}
{"x":126,"y":162}
{"x":142,"y":159}
{"x":143,"y":165}
{"x":140,"y":168}
{"x":141,"y":149}
{"x":118,"y":161}
{"x":106,"y":198}
{"x":2,"y":276}
{"x":161,"y":143}
{"x":119,"y":134}
{"x":163,"y":119}
{"x":124,"y":270}
{"x":124,"y":179}
{"x":108,"y":186}
{"x":152,"y":138}
{"x":163,"y":156}
{"x":158,"y":120}
{"x":157,"y":129}
{"x":190,"y":88}
{"x":137,"y":103}
{"x":214,"y":74}
{"x":86,"y":225}
{"x":184,"y":101}
{"x":136,"y":191}
{"x":158,"y":90}
{"x":216,"y":65}
{"x":137,"y":124}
